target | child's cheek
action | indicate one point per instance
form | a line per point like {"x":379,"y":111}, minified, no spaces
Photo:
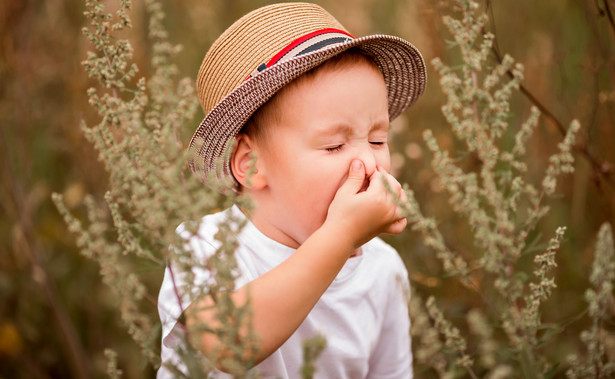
{"x":386,"y":160}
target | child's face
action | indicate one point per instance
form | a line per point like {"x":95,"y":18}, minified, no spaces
{"x":325,"y":122}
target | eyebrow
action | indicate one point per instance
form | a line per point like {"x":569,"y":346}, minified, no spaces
{"x":346,"y":129}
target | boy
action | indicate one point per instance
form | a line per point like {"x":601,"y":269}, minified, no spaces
{"x":315,"y":111}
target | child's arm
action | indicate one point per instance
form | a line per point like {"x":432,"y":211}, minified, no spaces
{"x":282,"y":298}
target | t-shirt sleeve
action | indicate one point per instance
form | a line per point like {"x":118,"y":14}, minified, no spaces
{"x":187,"y":277}
{"x":180,"y":286}
{"x":393,"y":355}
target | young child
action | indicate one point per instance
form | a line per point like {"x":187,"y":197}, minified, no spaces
{"x":292,"y":87}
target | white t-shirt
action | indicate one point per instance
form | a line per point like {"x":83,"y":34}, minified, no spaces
{"x":363,"y":314}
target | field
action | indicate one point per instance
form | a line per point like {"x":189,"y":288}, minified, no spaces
{"x":57,"y":316}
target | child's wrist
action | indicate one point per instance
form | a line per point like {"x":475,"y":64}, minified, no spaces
{"x":341,"y":236}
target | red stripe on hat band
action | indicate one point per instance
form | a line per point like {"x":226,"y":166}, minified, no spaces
{"x":302,"y":39}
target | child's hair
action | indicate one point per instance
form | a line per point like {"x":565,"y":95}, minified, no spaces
{"x":256,"y":126}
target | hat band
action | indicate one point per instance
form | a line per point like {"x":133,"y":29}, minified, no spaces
{"x":306,"y":44}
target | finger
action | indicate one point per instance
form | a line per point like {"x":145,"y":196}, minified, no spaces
{"x":392,"y":182}
{"x":376,"y":182}
{"x":356,"y":177}
{"x":397,"y":226}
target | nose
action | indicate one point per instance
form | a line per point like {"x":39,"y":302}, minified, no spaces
{"x":366,"y":155}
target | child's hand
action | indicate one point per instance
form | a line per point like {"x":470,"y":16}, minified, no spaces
{"x":364,"y":215}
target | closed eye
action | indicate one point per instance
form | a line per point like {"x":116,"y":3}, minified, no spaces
{"x":377,"y":143}
{"x":333,"y":149}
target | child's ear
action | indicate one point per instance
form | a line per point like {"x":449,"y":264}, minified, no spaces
{"x":244,"y":163}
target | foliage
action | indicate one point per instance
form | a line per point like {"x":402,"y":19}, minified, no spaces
{"x":57,"y":318}
{"x":145,"y":163}
{"x":150,"y":191}
{"x":600,"y":360}
{"x":502,"y":210}
{"x":312,"y":348}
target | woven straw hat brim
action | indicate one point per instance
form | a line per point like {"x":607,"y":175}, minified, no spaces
{"x":400,"y":62}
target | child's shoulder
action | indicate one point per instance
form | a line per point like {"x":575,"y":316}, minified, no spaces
{"x":200,"y":235}
{"x":207,"y":223}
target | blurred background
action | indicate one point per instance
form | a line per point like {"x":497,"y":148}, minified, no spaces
{"x":56,"y":317}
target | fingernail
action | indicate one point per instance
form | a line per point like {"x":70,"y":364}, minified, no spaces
{"x":356,"y":165}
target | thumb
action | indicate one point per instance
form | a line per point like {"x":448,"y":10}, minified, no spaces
{"x":356,"y":177}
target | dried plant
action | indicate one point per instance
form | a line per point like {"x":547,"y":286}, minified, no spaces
{"x":599,"y":361}
{"x":151,"y":193}
{"x":502,"y":209}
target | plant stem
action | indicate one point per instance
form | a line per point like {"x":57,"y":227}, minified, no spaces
{"x":603,"y":168}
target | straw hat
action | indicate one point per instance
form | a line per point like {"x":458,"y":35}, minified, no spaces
{"x":270,"y":47}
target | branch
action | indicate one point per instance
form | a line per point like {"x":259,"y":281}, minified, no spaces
{"x":609,"y":14}
{"x":603,"y":168}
